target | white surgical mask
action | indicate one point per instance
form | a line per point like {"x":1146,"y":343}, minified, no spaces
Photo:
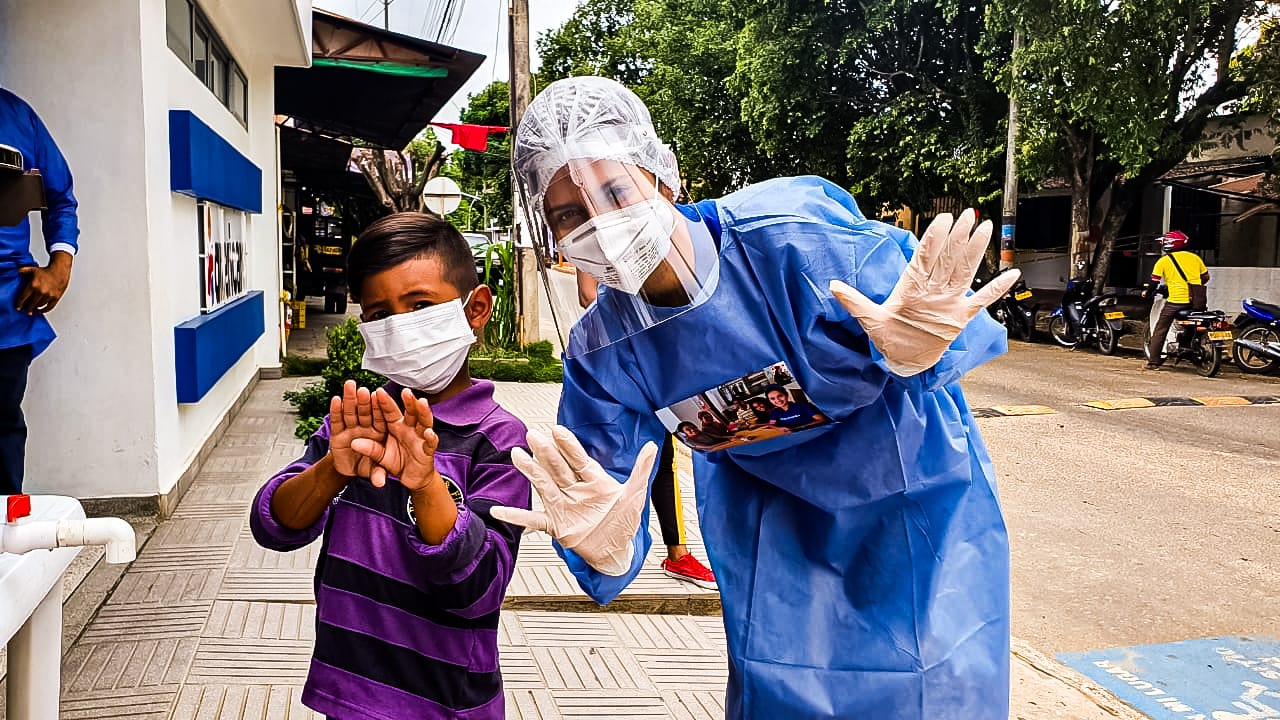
{"x":421,"y":350}
{"x":623,"y":247}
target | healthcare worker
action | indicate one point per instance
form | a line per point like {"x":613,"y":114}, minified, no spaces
{"x":863,"y":563}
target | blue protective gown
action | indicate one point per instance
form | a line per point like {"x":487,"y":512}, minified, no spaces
{"x":863,"y":565}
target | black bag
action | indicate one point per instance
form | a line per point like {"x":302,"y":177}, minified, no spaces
{"x":1198,"y":292}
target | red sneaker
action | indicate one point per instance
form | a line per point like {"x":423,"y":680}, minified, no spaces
{"x":688,"y":568}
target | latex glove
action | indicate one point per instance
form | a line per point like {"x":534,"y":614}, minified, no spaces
{"x":929,"y":307}
{"x":584,"y":508}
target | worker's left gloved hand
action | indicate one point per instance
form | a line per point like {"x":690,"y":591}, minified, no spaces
{"x":930,"y":304}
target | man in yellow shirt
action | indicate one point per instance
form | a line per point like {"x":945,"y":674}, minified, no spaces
{"x":1178,"y":270}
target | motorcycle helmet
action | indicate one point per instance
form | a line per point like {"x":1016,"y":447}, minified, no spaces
{"x":1174,"y":240}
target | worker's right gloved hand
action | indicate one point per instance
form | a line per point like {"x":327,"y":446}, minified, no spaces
{"x":584,"y":507}
{"x":931,"y":303}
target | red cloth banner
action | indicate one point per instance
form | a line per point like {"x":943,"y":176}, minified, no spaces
{"x":472,"y":137}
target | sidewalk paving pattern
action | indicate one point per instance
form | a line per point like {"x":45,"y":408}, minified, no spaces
{"x":206,"y":624}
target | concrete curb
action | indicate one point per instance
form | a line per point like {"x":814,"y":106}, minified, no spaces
{"x":1067,"y":679}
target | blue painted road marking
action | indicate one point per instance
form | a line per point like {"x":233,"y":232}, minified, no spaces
{"x":1227,"y":678}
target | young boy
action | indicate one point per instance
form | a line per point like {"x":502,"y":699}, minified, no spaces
{"x":413,"y":569}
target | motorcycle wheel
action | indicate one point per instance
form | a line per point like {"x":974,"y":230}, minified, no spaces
{"x":1108,"y":339}
{"x":1061,"y":333}
{"x":1246,"y":359}
{"x":1209,"y":356}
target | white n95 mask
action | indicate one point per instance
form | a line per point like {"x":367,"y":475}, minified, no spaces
{"x":421,"y":350}
{"x":621,"y":248}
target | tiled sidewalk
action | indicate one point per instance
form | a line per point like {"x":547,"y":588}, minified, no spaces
{"x":207,"y":625}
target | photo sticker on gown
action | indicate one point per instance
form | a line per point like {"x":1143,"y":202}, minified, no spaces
{"x":757,"y":406}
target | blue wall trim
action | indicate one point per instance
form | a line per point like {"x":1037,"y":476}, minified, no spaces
{"x":206,"y":347}
{"x":205,"y":166}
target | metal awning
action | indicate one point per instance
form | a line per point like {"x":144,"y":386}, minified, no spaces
{"x":316,"y":161}
{"x":370,"y":84}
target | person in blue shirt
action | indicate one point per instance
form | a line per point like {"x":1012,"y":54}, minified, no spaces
{"x":863,"y":563}
{"x":28,"y":290}
{"x":790,"y":414}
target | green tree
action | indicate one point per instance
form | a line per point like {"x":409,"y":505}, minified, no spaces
{"x":693,"y":51}
{"x":487,"y":175}
{"x":598,"y":39}
{"x":397,"y":178}
{"x":1114,"y":94}
{"x":750,"y":89}
{"x":1260,"y":65}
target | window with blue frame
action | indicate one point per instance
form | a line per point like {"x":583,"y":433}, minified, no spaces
{"x":192,"y":39}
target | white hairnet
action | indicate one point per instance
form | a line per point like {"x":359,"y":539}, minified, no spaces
{"x":591,"y":118}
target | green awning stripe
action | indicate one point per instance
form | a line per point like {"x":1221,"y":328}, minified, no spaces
{"x":385,"y":68}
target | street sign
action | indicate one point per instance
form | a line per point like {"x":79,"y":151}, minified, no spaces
{"x":1226,"y":678}
{"x":441,"y":195}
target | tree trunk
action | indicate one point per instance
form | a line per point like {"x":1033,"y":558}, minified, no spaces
{"x":1123,"y":195}
{"x":388,"y":174}
{"x":1080,"y":251}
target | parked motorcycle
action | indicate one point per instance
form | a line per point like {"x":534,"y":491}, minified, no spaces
{"x":1257,"y":344}
{"x":1015,"y":311}
{"x":1083,"y":317}
{"x":1197,"y":336}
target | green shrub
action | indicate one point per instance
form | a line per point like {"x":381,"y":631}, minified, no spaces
{"x":310,"y":401}
{"x":346,"y":353}
{"x":307,"y":426}
{"x":303,"y":366}
{"x":541,"y":350}
{"x":535,"y":364}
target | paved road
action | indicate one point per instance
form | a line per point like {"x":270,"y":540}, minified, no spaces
{"x":565,"y":290}
{"x":1133,"y":526}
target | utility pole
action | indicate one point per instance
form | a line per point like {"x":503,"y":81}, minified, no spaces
{"x":386,"y":20}
{"x":520,"y":87}
{"x":1009,"y":216}
{"x":519,"y":44}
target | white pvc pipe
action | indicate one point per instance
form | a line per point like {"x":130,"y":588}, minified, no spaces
{"x":113,"y":532}
{"x":116,"y":534}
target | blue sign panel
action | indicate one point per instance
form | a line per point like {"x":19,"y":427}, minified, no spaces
{"x":1228,"y":678}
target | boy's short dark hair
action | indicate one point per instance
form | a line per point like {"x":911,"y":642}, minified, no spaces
{"x":684,"y":425}
{"x":404,"y":236}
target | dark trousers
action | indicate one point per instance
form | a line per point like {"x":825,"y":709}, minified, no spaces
{"x":666,"y":496}
{"x":1155,"y":346}
{"x":14,"y":363}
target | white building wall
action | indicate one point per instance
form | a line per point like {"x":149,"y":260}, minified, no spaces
{"x":170,"y":85}
{"x":1228,"y":286}
{"x":91,"y":396}
{"x":102,"y":402}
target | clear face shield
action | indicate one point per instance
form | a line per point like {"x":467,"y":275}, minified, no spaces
{"x":617,"y":223}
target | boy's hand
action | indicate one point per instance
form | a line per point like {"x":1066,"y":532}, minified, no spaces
{"x":352,"y":418}
{"x":409,"y":449}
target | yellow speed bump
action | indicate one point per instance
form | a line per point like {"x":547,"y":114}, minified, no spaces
{"x":1016,"y":410}
{"x":1221,"y":401}
{"x":1122,"y":404}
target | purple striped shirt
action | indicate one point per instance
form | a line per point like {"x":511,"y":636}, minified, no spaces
{"x":405,"y":629}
